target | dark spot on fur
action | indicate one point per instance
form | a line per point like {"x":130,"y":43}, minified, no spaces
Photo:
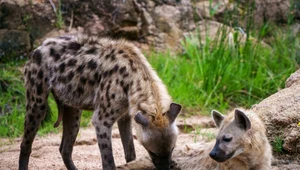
{"x":83,"y":80}
{"x":38,"y":100}
{"x":62,"y":79}
{"x":39,"y":88}
{"x":32,"y":98}
{"x":43,"y":107}
{"x":80,"y":68}
{"x":125,"y":89}
{"x":105,"y":74}
{"x":80,"y":90}
{"x":97,"y":129}
{"x":92,"y":51}
{"x":37,"y":57}
{"x":54,"y":54}
{"x":91,"y":82}
{"x":38,"y":116}
{"x":122,"y":83}
{"x":70,"y":76}
{"x":100,"y":118}
{"x":113,"y":58}
{"x":106,"y":115}
{"x":117,"y":81}
{"x":71,"y":62}
{"x":62,"y":67}
{"x":74,"y":46}
{"x":29,"y":75}
{"x":63,"y":49}
{"x":77,"y":118}
{"x":40,"y":74}
{"x":125,"y":75}
{"x":120,"y":51}
{"x":92,"y":65}
{"x":113,"y":96}
{"x":106,"y":56}
{"x":106,"y":124}
{"x":31,"y":118}
{"x":125,"y":56}
{"x":111,"y":72}
{"x":104,"y":146}
{"x":101,"y":86}
{"x":27,"y":94}
{"x":122,"y":70}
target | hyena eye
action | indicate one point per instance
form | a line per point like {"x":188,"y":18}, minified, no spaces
{"x":227,"y":139}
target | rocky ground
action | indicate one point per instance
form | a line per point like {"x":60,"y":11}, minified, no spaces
{"x":86,"y":155}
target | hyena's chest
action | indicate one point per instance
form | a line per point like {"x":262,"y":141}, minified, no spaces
{"x":84,"y":82}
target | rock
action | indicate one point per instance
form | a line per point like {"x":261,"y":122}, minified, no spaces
{"x":281,"y":114}
{"x":13,"y":42}
{"x":21,"y":24}
{"x":276,"y":11}
{"x":294,"y":79}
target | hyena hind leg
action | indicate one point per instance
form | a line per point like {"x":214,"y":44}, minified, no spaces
{"x":71,"y":123}
{"x":36,"y":110}
{"x":124,"y":125}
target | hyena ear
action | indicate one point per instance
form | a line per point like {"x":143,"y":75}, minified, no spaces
{"x":242,"y":120}
{"x":141,"y":119}
{"x":217,"y":117}
{"x":174,"y":111}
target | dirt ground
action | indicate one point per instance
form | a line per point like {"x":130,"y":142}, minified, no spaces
{"x":86,"y":155}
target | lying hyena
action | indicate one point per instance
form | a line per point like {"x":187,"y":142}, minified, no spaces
{"x":113,"y":79}
{"x":241,"y":144}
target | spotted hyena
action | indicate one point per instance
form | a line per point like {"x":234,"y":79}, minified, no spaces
{"x":241,"y":144}
{"x":110,"y":77}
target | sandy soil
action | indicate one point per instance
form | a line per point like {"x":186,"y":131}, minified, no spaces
{"x":86,"y":155}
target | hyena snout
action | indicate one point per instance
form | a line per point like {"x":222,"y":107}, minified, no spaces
{"x":219,"y":155}
{"x":161,"y":162}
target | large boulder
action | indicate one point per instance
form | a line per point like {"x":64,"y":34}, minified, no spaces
{"x":237,"y":13}
{"x":281,"y":114}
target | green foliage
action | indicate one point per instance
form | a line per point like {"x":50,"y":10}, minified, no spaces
{"x":59,"y":18}
{"x":217,"y":75}
{"x":278,"y":144}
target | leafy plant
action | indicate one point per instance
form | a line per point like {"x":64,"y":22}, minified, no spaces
{"x":278,"y":144}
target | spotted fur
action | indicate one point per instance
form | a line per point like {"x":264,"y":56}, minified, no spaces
{"x":110,"y":77}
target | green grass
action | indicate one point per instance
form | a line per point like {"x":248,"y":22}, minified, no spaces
{"x":278,"y":144}
{"x":216,"y":76}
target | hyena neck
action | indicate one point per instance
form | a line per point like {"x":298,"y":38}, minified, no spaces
{"x":150,"y":95}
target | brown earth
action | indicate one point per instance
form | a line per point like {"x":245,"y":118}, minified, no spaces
{"x":86,"y":155}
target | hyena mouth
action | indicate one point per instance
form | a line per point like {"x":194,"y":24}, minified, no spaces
{"x":220,"y":157}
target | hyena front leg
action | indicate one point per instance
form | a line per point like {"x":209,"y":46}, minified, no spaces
{"x":103,"y":125}
{"x":71,"y":123}
{"x":124,"y":125}
{"x":36,"y":109}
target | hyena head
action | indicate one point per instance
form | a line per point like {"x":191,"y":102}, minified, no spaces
{"x":230,"y":140}
{"x":159,"y":141}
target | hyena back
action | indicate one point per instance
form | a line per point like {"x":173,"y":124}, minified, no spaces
{"x":113,"y":79}
{"x":240,"y":144}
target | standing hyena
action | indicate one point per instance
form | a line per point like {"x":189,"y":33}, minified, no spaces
{"x":113,"y":79}
{"x":241,"y":144}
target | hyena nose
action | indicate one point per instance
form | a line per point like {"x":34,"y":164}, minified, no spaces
{"x":213,"y":154}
